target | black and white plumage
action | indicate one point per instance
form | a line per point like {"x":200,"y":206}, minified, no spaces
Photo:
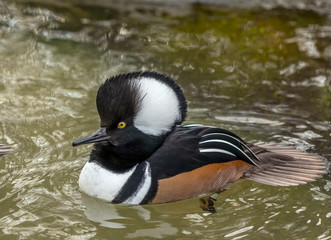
{"x":4,"y":149}
{"x":143,"y":155}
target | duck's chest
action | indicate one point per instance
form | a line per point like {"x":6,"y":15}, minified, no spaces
{"x":131,"y":186}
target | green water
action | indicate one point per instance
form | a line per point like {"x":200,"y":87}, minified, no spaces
{"x":261,"y":70}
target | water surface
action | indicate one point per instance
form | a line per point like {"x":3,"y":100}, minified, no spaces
{"x":261,"y":70}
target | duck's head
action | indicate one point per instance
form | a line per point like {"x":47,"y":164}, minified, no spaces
{"x":137,"y":111}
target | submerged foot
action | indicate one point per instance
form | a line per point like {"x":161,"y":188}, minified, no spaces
{"x":207,"y":204}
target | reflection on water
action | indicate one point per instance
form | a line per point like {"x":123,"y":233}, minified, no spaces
{"x":261,"y":69}
{"x":103,"y":213}
{"x":185,"y":218}
{"x":121,"y":216}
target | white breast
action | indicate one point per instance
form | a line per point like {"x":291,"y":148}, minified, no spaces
{"x":101,"y":183}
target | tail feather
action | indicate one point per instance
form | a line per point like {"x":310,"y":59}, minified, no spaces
{"x":284,"y":166}
{"x":4,"y":149}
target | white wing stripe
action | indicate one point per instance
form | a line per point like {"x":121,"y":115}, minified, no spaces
{"x":222,"y":141}
{"x":217,"y":150}
{"x":237,"y":139}
{"x":222,"y":134}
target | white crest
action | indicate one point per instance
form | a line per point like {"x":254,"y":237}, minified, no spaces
{"x":159,"y":109}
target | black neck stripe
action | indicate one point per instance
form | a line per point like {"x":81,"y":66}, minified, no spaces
{"x":132,"y":184}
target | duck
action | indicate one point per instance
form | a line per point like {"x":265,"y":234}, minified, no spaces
{"x":4,"y":149}
{"x":144,"y":154}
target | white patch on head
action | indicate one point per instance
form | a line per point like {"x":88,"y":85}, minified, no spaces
{"x":159,"y":108}
{"x":102,"y":183}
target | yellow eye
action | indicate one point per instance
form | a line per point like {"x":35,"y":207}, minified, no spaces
{"x":121,"y":125}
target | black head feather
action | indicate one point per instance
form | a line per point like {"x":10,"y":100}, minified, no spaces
{"x":118,"y":98}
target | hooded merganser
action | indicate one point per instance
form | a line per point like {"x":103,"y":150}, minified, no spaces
{"x":4,"y":149}
{"x":142,"y":154}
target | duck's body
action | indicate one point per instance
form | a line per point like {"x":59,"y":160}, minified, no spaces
{"x":143,"y":155}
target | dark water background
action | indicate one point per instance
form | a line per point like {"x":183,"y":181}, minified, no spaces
{"x":261,"y":69}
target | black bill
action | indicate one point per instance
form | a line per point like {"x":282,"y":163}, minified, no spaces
{"x":98,"y":136}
